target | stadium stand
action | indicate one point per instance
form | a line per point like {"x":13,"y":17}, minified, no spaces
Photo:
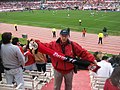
{"x":110,"y":5}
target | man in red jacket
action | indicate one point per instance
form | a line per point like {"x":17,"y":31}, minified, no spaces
{"x":58,"y":50}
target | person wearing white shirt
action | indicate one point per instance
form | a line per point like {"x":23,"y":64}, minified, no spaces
{"x":106,"y":68}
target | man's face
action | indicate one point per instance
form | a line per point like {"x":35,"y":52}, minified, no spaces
{"x":64,"y":38}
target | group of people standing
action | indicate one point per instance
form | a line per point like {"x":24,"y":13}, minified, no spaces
{"x":15,"y":59}
{"x":62,"y":52}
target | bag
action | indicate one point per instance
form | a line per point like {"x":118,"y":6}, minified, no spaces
{"x":75,"y":66}
{"x":82,"y":64}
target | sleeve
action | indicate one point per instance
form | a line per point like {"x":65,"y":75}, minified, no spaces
{"x":20,"y":56}
{"x":82,"y":53}
{"x":106,"y":85}
{"x":43,"y":49}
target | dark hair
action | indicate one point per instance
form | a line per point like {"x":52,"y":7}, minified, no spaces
{"x":15,"y":40}
{"x":96,"y":57}
{"x":105,"y":57}
{"x":115,"y":60}
{"x":6,"y":37}
{"x":96,"y":53}
{"x":115,"y":77}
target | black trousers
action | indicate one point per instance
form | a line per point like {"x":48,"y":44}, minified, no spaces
{"x":54,"y":34}
{"x":100,"y":40}
{"x":41,"y":67}
{"x":16,"y":28}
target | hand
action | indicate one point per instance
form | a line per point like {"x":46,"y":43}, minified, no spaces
{"x":94,"y":67}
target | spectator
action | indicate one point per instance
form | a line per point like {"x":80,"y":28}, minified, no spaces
{"x":98,"y":56}
{"x":64,"y":69}
{"x":83,"y":32}
{"x":29,"y":60}
{"x":12,"y":59}
{"x":15,"y":41}
{"x":113,"y":82}
{"x":40,"y":60}
{"x":106,"y":67}
{"x":115,"y":60}
{"x":100,"y":36}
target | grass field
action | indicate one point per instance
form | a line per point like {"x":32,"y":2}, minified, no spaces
{"x":60,"y":19}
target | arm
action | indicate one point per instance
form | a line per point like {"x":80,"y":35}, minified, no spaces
{"x":82,"y":53}
{"x":43,"y":49}
{"x":20,"y":56}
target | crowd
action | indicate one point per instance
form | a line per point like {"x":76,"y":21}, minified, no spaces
{"x":67,"y":57}
{"x":110,"y":69}
{"x":80,"y":4}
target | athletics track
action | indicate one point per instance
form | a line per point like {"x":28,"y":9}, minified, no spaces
{"x":81,"y":81}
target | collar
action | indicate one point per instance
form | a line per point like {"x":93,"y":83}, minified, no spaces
{"x":59,"y":41}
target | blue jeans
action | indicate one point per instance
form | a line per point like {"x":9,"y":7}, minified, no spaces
{"x":31,"y":67}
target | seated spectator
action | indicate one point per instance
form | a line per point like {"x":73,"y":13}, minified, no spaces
{"x":106,"y":68}
{"x":113,"y":82}
{"x":98,"y":56}
{"x":115,"y":60}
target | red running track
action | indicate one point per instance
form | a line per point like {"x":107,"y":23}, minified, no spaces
{"x":111,"y":44}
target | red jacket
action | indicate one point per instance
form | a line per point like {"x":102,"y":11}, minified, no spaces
{"x":108,"y":86}
{"x":65,"y":67}
{"x":31,"y":58}
{"x":60,"y":65}
{"x":21,"y":49}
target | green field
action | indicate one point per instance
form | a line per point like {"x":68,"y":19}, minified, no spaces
{"x":59,"y":19}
